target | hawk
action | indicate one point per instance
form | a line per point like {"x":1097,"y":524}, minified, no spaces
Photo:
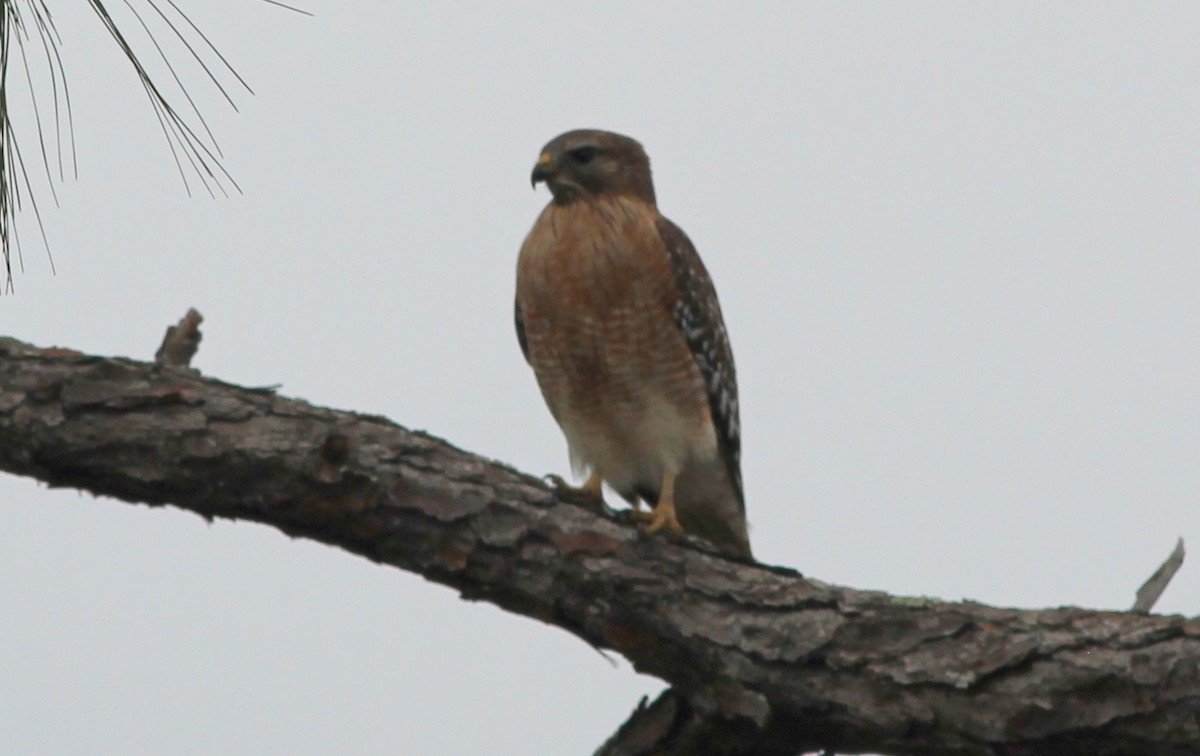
{"x":618,"y":317}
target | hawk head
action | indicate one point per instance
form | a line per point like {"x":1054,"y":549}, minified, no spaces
{"x":588,"y":163}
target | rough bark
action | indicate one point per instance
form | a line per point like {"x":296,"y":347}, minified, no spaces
{"x":761,"y":660}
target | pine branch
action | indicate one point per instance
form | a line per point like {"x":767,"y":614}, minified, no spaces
{"x":761,"y":660}
{"x":27,"y":27}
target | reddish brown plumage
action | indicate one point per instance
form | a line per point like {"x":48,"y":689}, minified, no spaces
{"x":625,"y":337}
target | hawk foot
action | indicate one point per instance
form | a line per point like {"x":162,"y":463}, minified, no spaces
{"x":638,"y":516}
{"x":588,"y":494}
{"x":661,"y":517}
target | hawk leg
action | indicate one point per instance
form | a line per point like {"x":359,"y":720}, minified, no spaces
{"x":664,"y":512}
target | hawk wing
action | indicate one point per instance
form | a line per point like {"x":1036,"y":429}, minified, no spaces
{"x":697,"y":313}
{"x":519,"y":319}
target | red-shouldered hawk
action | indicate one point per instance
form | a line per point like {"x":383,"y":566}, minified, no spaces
{"x":620,"y":322}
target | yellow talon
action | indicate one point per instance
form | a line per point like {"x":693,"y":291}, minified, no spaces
{"x":590,"y":490}
{"x":663,"y":515}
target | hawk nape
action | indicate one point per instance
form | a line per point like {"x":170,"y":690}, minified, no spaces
{"x":619,"y":319}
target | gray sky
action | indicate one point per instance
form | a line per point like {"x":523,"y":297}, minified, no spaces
{"x":957,"y":250}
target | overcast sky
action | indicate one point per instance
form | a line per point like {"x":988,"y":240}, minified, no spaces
{"x":958,"y":250}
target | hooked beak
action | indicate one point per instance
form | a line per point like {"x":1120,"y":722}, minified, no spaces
{"x":542,"y":170}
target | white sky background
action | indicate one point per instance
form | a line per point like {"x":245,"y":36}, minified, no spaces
{"x":958,"y":250}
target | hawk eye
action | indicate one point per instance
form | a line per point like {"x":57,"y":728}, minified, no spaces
{"x":582,"y":155}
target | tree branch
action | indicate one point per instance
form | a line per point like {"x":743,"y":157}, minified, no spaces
{"x":1148,"y":594}
{"x":181,"y":341}
{"x":762,"y":661}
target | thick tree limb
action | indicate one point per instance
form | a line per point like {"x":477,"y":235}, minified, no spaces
{"x":762,"y":661}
